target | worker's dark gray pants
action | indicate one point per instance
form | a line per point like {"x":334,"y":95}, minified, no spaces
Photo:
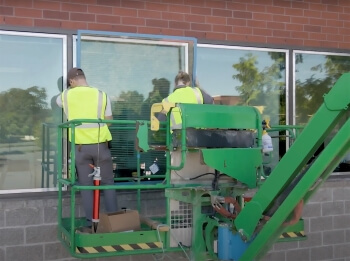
{"x":88,"y":154}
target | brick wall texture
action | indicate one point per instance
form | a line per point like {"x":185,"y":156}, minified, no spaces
{"x":311,"y":23}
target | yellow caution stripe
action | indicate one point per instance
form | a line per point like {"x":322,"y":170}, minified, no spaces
{"x":292,"y":234}
{"x":118,"y":248}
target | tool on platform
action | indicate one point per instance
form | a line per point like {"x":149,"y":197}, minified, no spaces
{"x":96,"y":202}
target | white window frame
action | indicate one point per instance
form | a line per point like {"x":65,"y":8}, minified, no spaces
{"x":64,"y":66}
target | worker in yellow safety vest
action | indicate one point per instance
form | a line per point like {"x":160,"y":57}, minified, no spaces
{"x":184,"y":93}
{"x":80,"y":101}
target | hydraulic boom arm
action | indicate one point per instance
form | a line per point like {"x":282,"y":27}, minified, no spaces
{"x":289,"y":172}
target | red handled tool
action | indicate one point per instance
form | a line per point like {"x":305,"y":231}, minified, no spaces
{"x":96,"y":202}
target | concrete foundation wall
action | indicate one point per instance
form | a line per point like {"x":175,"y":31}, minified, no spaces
{"x":327,"y":226}
{"x":28,"y":227}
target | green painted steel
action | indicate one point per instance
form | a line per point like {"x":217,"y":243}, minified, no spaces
{"x":142,"y":135}
{"x":318,"y":172}
{"x":107,"y":244}
{"x":241,"y":164}
{"x":198,"y":197}
{"x":277,"y":195}
{"x":291,"y":166}
{"x":219,"y":116}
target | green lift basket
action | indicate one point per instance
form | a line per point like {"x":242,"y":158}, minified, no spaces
{"x":238,"y":168}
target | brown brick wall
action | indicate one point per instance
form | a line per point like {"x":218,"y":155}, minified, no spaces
{"x":313,"y":23}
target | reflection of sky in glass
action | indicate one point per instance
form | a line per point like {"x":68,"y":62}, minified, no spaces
{"x":307,"y":67}
{"x":312,"y":65}
{"x":115,"y":67}
{"x":30,"y":61}
{"x":215,"y":71}
{"x":303,"y":70}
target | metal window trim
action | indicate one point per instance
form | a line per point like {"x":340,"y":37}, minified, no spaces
{"x":134,"y":37}
{"x":130,"y":40}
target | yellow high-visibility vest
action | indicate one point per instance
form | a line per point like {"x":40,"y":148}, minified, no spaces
{"x":86,"y":103}
{"x":182,"y":95}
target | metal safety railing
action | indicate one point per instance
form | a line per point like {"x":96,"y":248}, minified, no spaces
{"x":48,"y":155}
{"x":68,"y":186}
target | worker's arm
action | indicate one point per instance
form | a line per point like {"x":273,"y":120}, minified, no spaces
{"x":108,"y":111}
{"x":297,"y":212}
{"x":109,"y":118}
{"x":59,"y":100}
{"x":207,"y":99}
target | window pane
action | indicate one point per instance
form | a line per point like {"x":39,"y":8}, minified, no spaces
{"x":135,"y":74}
{"x":315,"y":75}
{"x":243,"y":76}
{"x":30,"y":69}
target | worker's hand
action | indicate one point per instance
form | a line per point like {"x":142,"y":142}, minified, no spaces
{"x":96,"y":173}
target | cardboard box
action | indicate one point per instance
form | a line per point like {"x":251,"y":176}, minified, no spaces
{"x":125,"y":220}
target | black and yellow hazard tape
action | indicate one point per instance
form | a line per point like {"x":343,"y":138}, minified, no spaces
{"x":118,"y":248}
{"x":287,"y":235}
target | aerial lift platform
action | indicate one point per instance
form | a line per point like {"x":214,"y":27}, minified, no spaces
{"x":219,"y":223}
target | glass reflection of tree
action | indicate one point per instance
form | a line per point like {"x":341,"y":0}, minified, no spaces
{"x":262,"y":87}
{"x":161,"y":88}
{"x":309,"y":92}
{"x":131,"y":105}
{"x":128,"y":106}
{"x":22,"y":112}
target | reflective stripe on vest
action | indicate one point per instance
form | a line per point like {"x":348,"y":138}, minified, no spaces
{"x":86,"y":103}
{"x":99,"y":105}
{"x":199,"y":95}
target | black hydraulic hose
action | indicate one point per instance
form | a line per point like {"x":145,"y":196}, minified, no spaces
{"x":215,"y":182}
{"x":279,"y":200}
{"x":201,"y":175}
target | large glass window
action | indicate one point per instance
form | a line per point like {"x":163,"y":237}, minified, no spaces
{"x":315,"y":73}
{"x":247,"y":76}
{"x":31,"y":70}
{"x":135,"y":72}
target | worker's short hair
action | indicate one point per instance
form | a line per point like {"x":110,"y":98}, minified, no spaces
{"x":74,"y":72}
{"x":183,"y":77}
